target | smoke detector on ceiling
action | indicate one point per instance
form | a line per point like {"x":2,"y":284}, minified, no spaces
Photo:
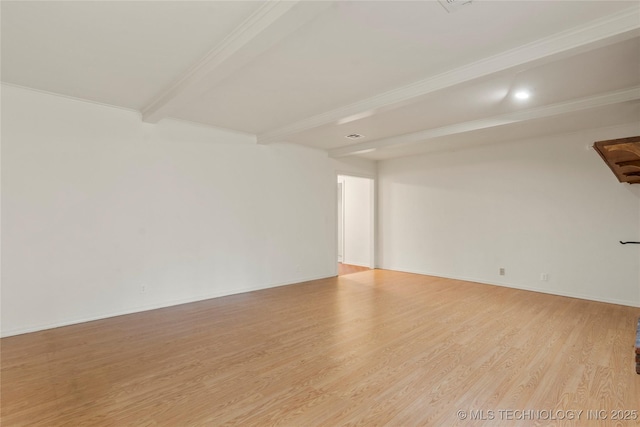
{"x":453,"y":5}
{"x":354,"y":136}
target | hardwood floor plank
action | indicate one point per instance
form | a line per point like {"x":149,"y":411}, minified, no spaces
{"x":348,"y":269}
{"x":372,"y":348}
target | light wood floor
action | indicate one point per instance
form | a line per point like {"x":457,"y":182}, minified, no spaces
{"x":344,"y":269}
{"x":371,"y":348}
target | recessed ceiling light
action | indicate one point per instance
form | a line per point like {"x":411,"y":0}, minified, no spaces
{"x":354,"y":136}
{"x":522,"y":94}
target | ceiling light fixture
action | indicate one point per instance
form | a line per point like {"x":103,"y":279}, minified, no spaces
{"x":354,"y":136}
{"x":522,"y":94}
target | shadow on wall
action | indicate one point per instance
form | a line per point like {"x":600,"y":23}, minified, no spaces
{"x":634,"y":189}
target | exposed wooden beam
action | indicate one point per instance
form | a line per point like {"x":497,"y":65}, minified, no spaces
{"x":609,"y":29}
{"x":273,"y":21}
{"x":634,"y":163}
{"x":601,"y":100}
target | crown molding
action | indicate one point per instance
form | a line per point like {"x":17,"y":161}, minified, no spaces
{"x":575,"y":105}
{"x":69,"y":97}
{"x":251,"y":38}
{"x":612,"y":28}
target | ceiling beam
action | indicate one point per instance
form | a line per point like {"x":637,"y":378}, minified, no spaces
{"x":273,"y":21}
{"x":601,"y":100}
{"x":609,"y":29}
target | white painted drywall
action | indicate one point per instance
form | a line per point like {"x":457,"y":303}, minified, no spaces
{"x":544,"y":205}
{"x":97,"y":205}
{"x":358,"y":220}
{"x":355,"y":166}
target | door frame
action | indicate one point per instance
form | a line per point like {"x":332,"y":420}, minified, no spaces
{"x":372,"y":215}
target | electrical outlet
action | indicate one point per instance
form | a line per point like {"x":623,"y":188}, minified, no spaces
{"x":544,"y":277}
{"x":502,"y":271}
{"x":143,"y":289}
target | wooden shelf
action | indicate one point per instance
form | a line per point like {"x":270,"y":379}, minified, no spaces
{"x":622,"y":156}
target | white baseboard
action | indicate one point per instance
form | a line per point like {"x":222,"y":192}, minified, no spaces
{"x":358,"y":264}
{"x":515,"y":286}
{"x":227,"y":292}
{"x":164,"y":304}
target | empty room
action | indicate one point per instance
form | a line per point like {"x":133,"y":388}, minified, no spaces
{"x":320,"y":213}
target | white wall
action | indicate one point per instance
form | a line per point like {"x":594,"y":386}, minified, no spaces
{"x":545,"y":205}
{"x":356,"y":166}
{"x":358,"y":220}
{"x":97,"y":205}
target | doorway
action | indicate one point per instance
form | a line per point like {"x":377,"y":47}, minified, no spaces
{"x":355,"y":224}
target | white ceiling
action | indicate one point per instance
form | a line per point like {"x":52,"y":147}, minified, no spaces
{"x":408,"y":75}
{"x":119,"y":53}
